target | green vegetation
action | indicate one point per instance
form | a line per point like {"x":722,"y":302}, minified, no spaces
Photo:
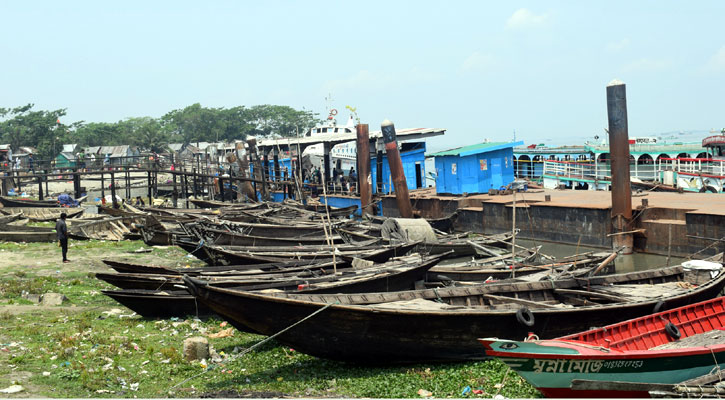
{"x":44,"y":130}
{"x":93,"y":347}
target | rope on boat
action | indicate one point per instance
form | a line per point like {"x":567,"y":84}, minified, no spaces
{"x":211,"y":367}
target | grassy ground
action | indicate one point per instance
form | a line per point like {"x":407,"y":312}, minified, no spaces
{"x":93,"y":347}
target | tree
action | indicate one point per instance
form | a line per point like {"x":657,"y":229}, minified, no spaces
{"x":39,"y":129}
{"x":270,"y":120}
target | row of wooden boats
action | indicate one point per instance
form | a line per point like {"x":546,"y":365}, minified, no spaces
{"x":354,"y":295}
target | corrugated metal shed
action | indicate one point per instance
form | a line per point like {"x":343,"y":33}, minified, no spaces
{"x":476,"y":149}
{"x":475,"y":168}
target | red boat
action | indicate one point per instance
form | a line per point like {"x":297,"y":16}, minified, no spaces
{"x":669,"y":347}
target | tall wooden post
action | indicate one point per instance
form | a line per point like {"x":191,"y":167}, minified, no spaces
{"x":363,"y":168}
{"x":175,"y":193}
{"x":396,"y":169}
{"x":185,"y":186}
{"x":40,"y":187}
{"x":619,"y":151}
{"x":113,"y":190}
{"x":379,"y":168}
{"x":150,"y":193}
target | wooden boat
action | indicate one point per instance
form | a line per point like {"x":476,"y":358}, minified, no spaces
{"x":285,"y":266}
{"x":444,"y":324}
{"x":289,"y":230}
{"x":668,"y":347}
{"x":497,"y":268}
{"x":46,"y":214}
{"x":29,"y":236}
{"x":6,"y":219}
{"x":225,"y":238}
{"x":113,"y":228}
{"x":333,"y":212}
{"x":27,"y":203}
{"x":240,"y":255}
{"x":159,"y":303}
{"x":464,"y":246}
{"x":396,"y":275}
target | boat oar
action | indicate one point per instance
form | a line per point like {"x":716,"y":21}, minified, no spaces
{"x":604,"y":263}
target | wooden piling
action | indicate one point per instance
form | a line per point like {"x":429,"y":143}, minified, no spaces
{"x":619,"y":151}
{"x":363,"y":168}
{"x":396,"y":169}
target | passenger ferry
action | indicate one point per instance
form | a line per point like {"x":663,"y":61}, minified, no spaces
{"x":343,"y":156}
{"x":686,"y":166}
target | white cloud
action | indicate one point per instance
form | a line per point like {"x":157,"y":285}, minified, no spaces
{"x":618,"y":46}
{"x":717,"y":61}
{"x":477,"y":62}
{"x":524,"y":18}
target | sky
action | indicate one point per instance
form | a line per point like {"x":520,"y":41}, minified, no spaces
{"x":478,"y":69}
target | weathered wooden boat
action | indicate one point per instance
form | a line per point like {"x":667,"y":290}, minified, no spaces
{"x":29,"y":236}
{"x":159,"y":303}
{"x":333,"y":212}
{"x":45,"y":214}
{"x":444,"y":324}
{"x":27,"y":203}
{"x":167,"y":301}
{"x":289,"y":230}
{"x":112,"y":228}
{"x":6,"y":219}
{"x":124,"y":266}
{"x":213,"y":204}
{"x":668,"y":347}
{"x":463,"y":246}
{"x":241,"y":255}
{"x":399,"y":274}
{"x":225,"y":238}
{"x":497,"y":268}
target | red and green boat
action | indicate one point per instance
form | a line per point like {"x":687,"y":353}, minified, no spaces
{"x":665,"y":348}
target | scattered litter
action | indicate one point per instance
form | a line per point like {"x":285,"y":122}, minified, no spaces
{"x":145,"y":362}
{"x":46,"y":373}
{"x":104,"y":391}
{"x":222,"y":334}
{"x":466,"y":391}
{"x":478,"y":391}
{"x":12,"y":389}
{"x":134,"y":386}
{"x":223,"y":324}
{"x":424,"y":393}
{"x":120,"y":368}
{"x":166,"y":361}
{"x":141,"y":250}
{"x":112,"y":312}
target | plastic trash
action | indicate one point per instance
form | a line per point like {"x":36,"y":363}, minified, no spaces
{"x":12,"y":389}
{"x":466,"y":391}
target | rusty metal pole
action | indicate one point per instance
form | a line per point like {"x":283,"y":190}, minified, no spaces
{"x":363,"y":168}
{"x":396,"y":169}
{"x":619,"y":154}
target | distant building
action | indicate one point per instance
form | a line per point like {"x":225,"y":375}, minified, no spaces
{"x":120,"y":155}
{"x":475,"y":168}
{"x":65,"y":160}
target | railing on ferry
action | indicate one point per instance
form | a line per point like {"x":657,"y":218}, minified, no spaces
{"x":693,"y":166}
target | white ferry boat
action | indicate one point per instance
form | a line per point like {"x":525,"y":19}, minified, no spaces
{"x":343,"y":156}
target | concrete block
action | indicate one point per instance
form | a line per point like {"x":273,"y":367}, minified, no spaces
{"x":196,"y":348}
{"x":35,"y":298}
{"x":53,"y":299}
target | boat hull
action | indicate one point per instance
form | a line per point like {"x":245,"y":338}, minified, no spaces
{"x":552,"y":373}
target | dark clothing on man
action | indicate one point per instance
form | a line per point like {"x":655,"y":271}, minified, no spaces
{"x":61,"y":230}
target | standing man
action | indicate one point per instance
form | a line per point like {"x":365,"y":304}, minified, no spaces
{"x":61,"y":230}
